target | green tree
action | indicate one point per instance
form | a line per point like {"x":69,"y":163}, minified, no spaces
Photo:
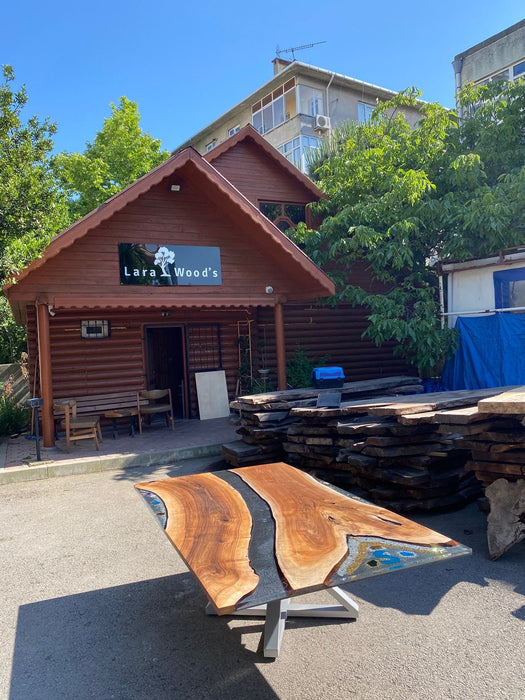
{"x":399,"y":198}
{"x":32,"y":207}
{"x":120,"y":153}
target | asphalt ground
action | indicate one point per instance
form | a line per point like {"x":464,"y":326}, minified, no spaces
{"x":96,"y":603}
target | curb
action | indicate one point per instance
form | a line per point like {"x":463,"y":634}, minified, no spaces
{"x":48,"y":469}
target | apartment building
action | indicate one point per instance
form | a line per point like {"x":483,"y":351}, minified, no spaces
{"x":296,"y":109}
{"x":500,"y":57}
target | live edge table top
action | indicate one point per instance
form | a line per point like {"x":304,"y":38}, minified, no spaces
{"x":269,"y":532}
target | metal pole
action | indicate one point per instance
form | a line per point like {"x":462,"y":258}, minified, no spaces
{"x":34,"y":404}
{"x":37,"y":434}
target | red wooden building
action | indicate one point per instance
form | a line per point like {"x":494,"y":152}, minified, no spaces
{"x":181,"y":273}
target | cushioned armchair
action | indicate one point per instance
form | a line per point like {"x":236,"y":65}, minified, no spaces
{"x":158,"y":402}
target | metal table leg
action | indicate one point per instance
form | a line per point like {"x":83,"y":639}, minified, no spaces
{"x":277,"y":611}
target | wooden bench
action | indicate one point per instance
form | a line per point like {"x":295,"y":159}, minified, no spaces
{"x":121,"y":404}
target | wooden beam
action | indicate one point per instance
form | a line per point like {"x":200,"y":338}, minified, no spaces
{"x":280,"y":347}
{"x":46,"y":384}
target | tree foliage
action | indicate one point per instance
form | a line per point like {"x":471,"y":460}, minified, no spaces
{"x":399,"y":198}
{"x":120,"y":153}
{"x":32,"y":207}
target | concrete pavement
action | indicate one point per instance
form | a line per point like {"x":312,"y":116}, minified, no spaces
{"x":157,"y":445}
{"x":97,"y":604}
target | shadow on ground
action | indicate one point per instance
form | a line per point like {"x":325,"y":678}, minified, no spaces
{"x":142,"y":640}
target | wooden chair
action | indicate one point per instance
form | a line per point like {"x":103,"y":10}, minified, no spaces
{"x":159,"y":401}
{"x":77,"y":428}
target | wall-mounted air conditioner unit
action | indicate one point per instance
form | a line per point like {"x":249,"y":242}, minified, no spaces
{"x":321,"y":122}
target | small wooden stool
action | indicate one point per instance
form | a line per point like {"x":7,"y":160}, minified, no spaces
{"x":122,"y":413}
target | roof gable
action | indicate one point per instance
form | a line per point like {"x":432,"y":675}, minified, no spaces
{"x":249,"y":136}
{"x":290,"y":259}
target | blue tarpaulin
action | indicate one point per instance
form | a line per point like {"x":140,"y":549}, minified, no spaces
{"x":491,"y":353}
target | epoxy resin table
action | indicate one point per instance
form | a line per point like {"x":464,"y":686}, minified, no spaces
{"x":257,"y":536}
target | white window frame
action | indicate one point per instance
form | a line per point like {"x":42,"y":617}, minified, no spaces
{"x":295,"y":150}
{"x":313,"y":103}
{"x":270,"y":114}
{"x":364,"y":111}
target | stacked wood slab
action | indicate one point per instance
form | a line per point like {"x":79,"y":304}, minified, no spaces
{"x":407,"y":452}
{"x":498,"y":460}
{"x":495,"y":436}
{"x":395,"y":449}
{"x":264,"y":419}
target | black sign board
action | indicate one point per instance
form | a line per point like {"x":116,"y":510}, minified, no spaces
{"x":169,"y":265}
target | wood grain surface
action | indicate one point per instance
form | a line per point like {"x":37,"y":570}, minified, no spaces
{"x":269,"y":531}
{"x":313,"y":521}
{"x":508,"y":402}
{"x":210,"y":525}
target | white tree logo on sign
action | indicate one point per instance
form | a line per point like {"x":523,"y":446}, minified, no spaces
{"x":163,"y":258}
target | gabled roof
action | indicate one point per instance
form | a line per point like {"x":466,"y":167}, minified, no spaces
{"x":267,"y":234}
{"x":249,"y":134}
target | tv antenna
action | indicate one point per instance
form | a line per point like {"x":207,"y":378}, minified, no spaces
{"x":293,"y":49}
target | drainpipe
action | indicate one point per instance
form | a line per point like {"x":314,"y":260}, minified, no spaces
{"x":280,"y":346}
{"x":327,"y":97}
{"x":441,"y":301}
{"x":457,"y":65}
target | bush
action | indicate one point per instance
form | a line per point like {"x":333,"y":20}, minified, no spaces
{"x":299,"y":368}
{"x":13,"y":417}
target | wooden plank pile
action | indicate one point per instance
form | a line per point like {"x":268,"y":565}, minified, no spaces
{"x":264,"y":419}
{"x":417,"y":452}
{"x":396,"y":450}
{"x":497,"y":438}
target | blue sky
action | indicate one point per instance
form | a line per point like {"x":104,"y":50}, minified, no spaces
{"x":185,"y":64}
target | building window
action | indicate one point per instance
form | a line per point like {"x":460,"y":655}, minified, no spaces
{"x":518,"y":70}
{"x":502,"y":75}
{"x":204,"y":348}
{"x":275,"y":108}
{"x":298,"y":149}
{"x":509,"y":288}
{"x":284,"y":216}
{"x":310,"y":101}
{"x":234,"y":130}
{"x":210,"y":145}
{"x":364,"y":112}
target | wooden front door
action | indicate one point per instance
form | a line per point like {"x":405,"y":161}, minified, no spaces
{"x":165,"y":363}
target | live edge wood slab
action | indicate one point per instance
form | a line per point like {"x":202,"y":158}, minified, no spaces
{"x":268,"y":532}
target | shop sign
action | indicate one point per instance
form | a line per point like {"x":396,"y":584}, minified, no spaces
{"x":169,"y":265}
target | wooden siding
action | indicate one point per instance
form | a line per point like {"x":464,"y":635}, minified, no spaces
{"x":333,"y":333}
{"x":259,"y":177}
{"x":90,"y":267}
{"x":82,"y":367}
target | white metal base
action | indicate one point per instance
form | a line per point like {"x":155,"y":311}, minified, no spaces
{"x":277,"y":611}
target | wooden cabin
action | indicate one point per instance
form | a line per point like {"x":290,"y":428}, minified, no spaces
{"x":181,"y":273}
{"x":323,"y":331}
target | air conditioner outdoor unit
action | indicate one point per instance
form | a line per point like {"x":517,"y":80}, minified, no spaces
{"x":321,"y":122}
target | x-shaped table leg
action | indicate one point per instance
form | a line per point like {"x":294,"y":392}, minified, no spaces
{"x":277,"y":611}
